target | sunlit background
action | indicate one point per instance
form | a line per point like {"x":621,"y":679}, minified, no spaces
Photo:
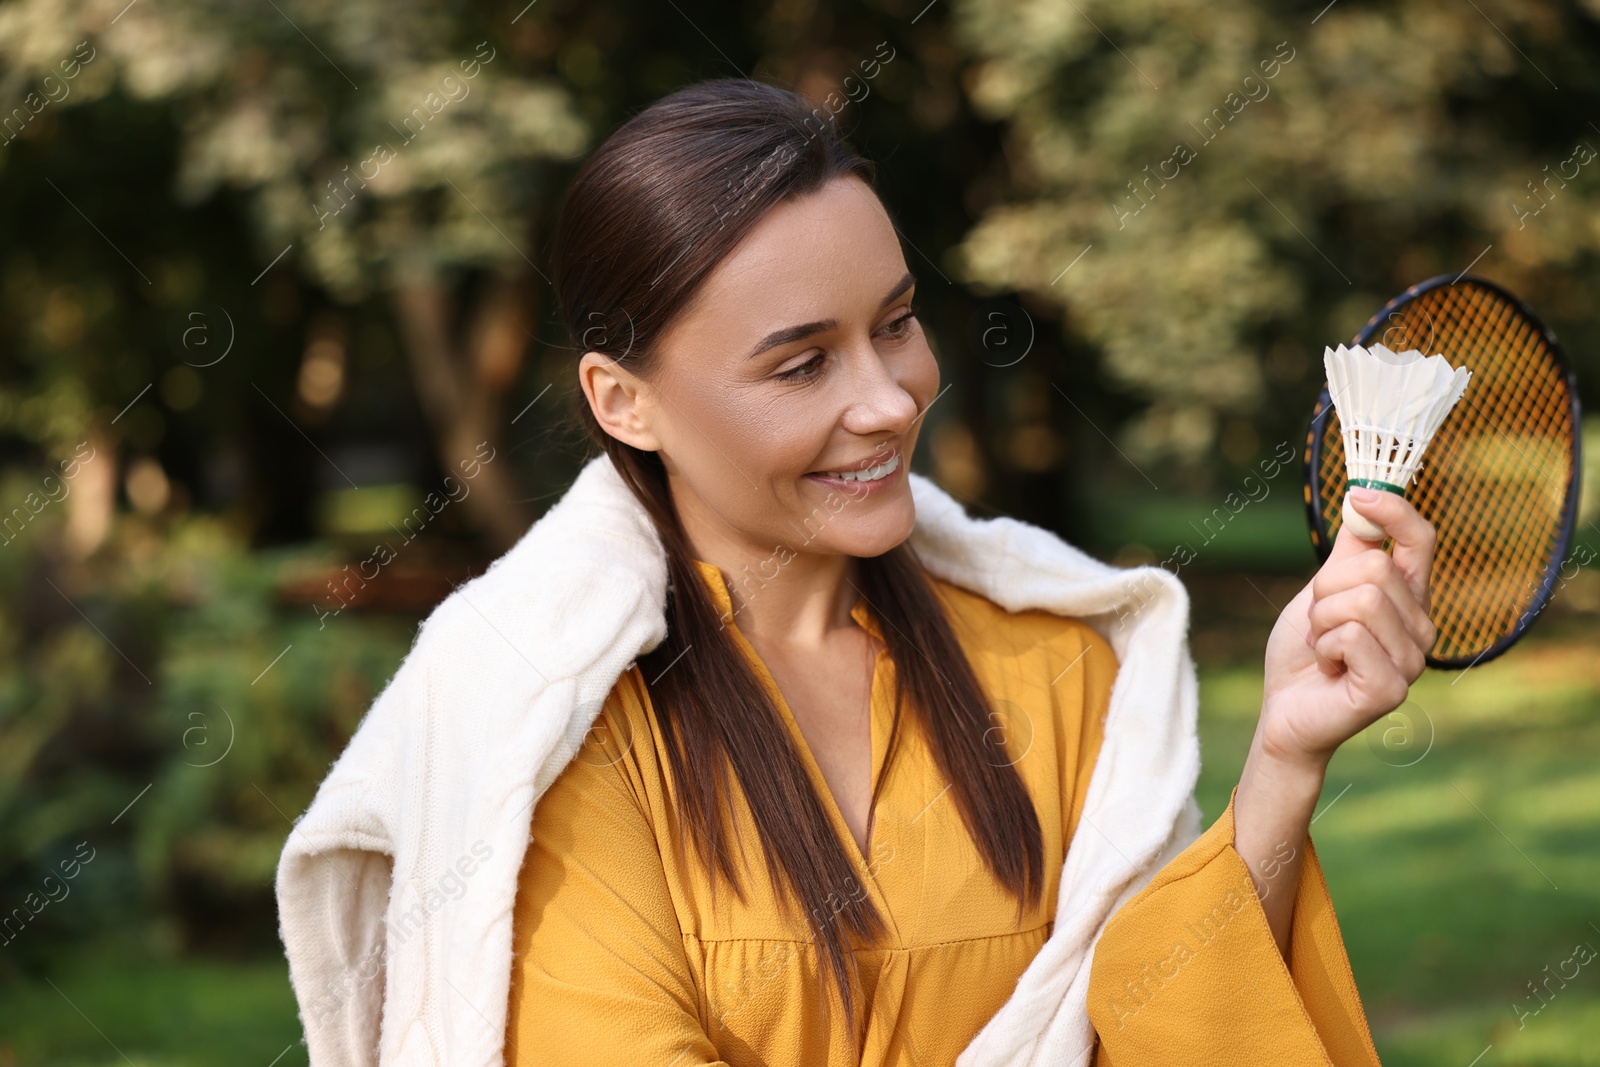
{"x":269,"y":271}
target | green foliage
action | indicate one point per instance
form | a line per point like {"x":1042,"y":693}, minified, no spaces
{"x":1253,"y":182}
{"x":168,"y":707}
{"x":300,"y":129}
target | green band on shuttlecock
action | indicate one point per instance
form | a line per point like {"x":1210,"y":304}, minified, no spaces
{"x":1373,"y":483}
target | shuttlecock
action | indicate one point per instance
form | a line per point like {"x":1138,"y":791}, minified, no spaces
{"x":1389,"y":405}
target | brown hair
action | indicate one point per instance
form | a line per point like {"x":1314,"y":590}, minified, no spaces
{"x":649,"y":214}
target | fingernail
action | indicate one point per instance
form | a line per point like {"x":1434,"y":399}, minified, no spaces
{"x":1364,"y":496}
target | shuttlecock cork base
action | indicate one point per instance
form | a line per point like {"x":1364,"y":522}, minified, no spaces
{"x":1390,"y":404}
{"x":1359,"y":524}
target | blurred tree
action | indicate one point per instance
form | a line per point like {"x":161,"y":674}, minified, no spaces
{"x":381,"y":158}
{"x":381,"y":150}
{"x":1246,"y":182}
{"x":413,"y":157}
{"x":215,"y":159}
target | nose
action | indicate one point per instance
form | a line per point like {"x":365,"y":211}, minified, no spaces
{"x":879,"y":401}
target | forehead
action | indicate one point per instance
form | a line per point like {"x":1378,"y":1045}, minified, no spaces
{"x":831,"y":254}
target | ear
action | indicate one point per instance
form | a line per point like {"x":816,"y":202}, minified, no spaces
{"x":621,"y":401}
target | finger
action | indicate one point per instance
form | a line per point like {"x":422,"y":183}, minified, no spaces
{"x":1375,"y":685}
{"x":1377,"y":569}
{"x":1346,"y":543}
{"x":1414,"y":537}
{"x":1370,"y":606}
{"x":1298,"y":616}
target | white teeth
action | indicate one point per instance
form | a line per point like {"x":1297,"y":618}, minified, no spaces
{"x":871,"y":474}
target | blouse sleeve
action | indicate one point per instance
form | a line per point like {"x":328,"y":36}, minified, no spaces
{"x":599,"y":973}
{"x":1187,"y":971}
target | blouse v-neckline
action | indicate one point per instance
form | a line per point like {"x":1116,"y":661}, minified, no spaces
{"x":880,"y":719}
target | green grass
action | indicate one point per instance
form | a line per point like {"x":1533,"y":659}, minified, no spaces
{"x":1457,"y":879}
{"x":1245,"y":522}
{"x":184,"y":1014}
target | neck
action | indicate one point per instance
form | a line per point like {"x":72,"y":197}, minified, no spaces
{"x":782,"y":597}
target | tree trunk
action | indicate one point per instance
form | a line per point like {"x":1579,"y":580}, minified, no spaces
{"x":461,"y":382}
{"x":93,"y":497}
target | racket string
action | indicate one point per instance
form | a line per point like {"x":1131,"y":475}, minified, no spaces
{"x":1498,"y":509}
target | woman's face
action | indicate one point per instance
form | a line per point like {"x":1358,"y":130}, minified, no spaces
{"x":799,"y":360}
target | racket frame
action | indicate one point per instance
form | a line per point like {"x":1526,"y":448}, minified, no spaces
{"x":1322,"y":537}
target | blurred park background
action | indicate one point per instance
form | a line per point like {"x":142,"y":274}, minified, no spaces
{"x":259,"y":344}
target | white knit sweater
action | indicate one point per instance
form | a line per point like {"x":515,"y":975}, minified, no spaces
{"x":395,"y":888}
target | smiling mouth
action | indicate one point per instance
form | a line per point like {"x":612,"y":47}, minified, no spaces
{"x":870,"y":474}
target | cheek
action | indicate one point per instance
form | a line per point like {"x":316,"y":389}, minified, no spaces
{"x":761,"y":435}
{"x":740,"y":450}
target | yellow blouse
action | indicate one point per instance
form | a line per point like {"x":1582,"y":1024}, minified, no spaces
{"x":621,"y":955}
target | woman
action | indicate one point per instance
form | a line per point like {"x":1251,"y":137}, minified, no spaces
{"x":909,"y":759}
{"x":1038,"y":889}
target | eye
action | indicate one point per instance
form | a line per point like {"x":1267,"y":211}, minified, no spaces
{"x":900,"y":328}
{"x":814,"y":364}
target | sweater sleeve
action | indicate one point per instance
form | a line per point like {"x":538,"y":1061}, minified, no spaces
{"x":1187,"y":971}
{"x":335,"y":880}
{"x":599,"y":973}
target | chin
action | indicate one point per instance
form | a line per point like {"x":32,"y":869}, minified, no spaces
{"x":880,"y":533}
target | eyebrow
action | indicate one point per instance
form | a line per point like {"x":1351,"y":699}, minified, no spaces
{"x":806,"y":329}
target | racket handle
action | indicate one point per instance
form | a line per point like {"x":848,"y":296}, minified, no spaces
{"x":1359,"y":524}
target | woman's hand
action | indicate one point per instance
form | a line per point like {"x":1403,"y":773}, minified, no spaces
{"x":1347,"y":648}
{"x":1344,"y":652}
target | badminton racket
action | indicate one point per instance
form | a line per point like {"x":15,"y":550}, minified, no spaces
{"x":1500,"y":479}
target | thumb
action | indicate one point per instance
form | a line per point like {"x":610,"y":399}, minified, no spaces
{"x":1413,"y":536}
{"x":1345,"y":542}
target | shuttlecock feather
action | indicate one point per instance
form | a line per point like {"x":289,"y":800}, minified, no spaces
{"x":1389,"y":405}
